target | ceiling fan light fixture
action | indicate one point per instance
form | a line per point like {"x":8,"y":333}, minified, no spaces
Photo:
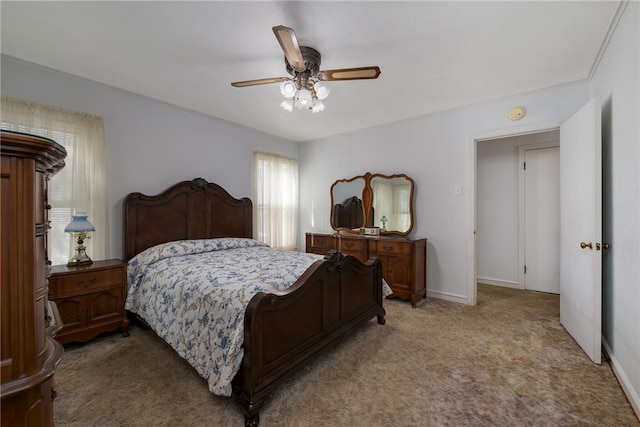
{"x":288,"y":89}
{"x":317,"y":106}
{"x":322,"y":90}
{"x":304,"y":99}
{"x":287,"y":105}
{"x":306,"y":89}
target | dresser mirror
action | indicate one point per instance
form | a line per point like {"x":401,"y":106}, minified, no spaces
{"x":347,"y":210}
{"x":373,"y":200}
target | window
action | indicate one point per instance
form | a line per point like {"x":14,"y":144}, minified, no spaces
{"x":276,"y":200}
{"x":80,"y":185}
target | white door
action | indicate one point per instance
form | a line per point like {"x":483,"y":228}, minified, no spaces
{"x":542,"y":219}
{"x":581,"y":228}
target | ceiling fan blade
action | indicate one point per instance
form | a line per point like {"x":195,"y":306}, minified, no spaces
{"x":259,"y":82}
{"x":289,"y":44}
{"x":360,"y":73}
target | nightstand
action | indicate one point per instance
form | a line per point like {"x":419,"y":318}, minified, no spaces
{"x":90,"y":299}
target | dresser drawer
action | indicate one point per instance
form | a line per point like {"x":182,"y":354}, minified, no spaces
{"x":353,"y":246}
{"x":85,"y":282}
{"x":319,"y":244}
{"x":393,"y":248}
{"x":315,"y":241}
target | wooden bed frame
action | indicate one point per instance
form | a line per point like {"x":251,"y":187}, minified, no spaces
{"x":331,"y":298}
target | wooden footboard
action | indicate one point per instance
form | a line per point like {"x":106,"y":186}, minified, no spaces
{"x":284,"y":332}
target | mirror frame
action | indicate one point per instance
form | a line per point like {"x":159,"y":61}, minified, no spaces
{"x":367,"y":201}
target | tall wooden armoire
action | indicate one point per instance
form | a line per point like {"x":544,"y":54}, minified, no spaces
{"x":29,"y":354}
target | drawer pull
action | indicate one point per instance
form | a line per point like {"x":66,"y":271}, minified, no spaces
{"x":388,"y":248}
{"x":348,"y":244}
{"x":83,"y":284}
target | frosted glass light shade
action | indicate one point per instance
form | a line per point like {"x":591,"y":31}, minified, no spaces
{"x":304,"y":100}
{"x":79,"y":222}
{"x":322,"y":90}
{"x":288,"y":89}
{"x":287,"y":105}
{"x":317,"y":106}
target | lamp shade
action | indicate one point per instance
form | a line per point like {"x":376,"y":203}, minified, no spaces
{"x":287,"y":105}
{"x":288,"y":89}
{"x":317,"y":106}
{"x":79,"y":222}
{"x":322,"y":90}
{"x":304,"y":100}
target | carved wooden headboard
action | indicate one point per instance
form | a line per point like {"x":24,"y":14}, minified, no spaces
{"x":194,"y":209}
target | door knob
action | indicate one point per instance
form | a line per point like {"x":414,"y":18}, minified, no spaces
{"x":586,"y":245}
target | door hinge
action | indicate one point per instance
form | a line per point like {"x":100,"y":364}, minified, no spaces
{"x":525,"y":269}
{"x":524,"y":166}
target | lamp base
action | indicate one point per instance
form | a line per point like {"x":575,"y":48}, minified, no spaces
{"x":79,"y":263}
{"x":81,"y":257}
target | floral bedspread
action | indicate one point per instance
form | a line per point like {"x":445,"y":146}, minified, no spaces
{"x":194,"y":293}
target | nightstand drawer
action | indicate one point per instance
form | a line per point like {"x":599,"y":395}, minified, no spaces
{"x":90,"y":281}
{"x":393,"y":248}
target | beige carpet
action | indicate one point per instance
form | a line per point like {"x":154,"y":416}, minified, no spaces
{"x":505,"y":362}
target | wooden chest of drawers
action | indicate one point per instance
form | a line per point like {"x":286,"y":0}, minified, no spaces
{"x":90,"y":299}
{"x":404,"y":261}
{"x":28,"y":353}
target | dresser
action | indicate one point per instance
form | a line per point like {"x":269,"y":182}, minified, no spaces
{"x":90,"y":299}
{"x":404,"y":261}
{"x":28,"y":351}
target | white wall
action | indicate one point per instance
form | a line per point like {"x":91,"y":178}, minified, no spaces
{"x":616,"y":83}
{"x":436,"y":151}
{"x":149,"y":145}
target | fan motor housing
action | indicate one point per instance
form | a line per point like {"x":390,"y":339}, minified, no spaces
{"x":311,"y":59}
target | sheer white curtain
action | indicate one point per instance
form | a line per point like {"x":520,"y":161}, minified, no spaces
{"x":276,"y":200}
{"x":81,"y":185}
{"x":392,"y":201}
{"x":401,"y":200}
{"x":383,"y":204}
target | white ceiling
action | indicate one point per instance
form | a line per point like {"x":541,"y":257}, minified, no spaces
{"x":434,"y":56}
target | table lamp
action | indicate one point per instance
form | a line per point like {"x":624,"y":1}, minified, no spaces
{"x":79,"y":227}
{"x":384,"y":220}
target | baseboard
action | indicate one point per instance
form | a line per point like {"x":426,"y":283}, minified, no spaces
{"x":494,"y":282}
{"x":447,"y":297}
{"x":625,"y":384}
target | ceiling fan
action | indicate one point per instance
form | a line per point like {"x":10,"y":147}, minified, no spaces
{"x":306,"y":89}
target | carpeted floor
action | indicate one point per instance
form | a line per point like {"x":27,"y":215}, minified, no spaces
{"x":505,"y":362}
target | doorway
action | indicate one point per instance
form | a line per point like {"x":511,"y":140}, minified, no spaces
{"x":581,"y":219}
{"x":513,"y":230}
